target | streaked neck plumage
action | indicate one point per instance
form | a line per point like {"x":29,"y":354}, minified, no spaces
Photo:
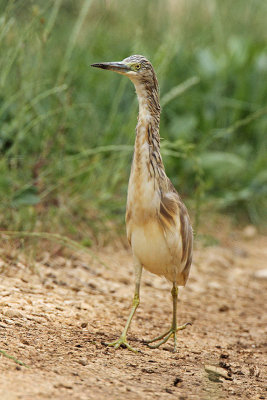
{"x":147,"y":166}
{"x":149,"y":107}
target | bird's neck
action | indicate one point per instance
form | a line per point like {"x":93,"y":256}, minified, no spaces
{"x":147,"y":141}
{"x":149,"y":108}
{"x":147,"y":167}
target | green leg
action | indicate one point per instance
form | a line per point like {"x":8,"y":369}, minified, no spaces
{"x":174,"y":328}
{"x":122,"y":341}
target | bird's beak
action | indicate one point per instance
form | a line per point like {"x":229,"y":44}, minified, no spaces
{"x":119,"y":67}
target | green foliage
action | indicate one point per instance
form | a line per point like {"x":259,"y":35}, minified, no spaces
{"x":26,"y":197}
{"x":66,"y":131}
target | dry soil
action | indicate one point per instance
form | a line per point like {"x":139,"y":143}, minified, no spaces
{"x":58,"y":308}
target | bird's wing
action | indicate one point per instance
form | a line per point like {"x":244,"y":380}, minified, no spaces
{"x":128,"y":225}
{"x":175,"y":221}
{"x":187,"y":241}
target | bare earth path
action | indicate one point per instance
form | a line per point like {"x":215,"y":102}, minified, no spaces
{"x":56,"y":314}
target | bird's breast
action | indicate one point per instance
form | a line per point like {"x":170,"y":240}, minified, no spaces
{"x":148,"y":245}
{"x":151,"y":249}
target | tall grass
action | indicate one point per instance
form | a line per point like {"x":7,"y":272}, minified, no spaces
{"x":66,"y":131}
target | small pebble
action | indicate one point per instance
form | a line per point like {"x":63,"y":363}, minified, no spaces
{"x":217,"y":371}
{"x":261,"y":274}
{"x":25,"y":341}
{"x":83,"y":361}
{"x":249,"y":232}
{"x":13,"y":313}
{"x":177,"y":381}
{"x":169,"y":391}
{"x":224,"y":308}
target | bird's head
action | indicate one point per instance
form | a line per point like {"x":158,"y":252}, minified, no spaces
{"x":136,"y":67}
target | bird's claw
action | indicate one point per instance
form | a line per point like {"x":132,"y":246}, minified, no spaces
{"x":166,"y":336}
{"x":121,"y":342}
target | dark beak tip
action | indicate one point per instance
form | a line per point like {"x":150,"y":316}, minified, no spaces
{"x":111,"y":66}
{"x":100,"y":65}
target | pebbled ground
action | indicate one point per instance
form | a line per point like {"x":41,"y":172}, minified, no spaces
{"x":57,"y":308}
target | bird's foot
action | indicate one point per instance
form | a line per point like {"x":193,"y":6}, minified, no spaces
{"x":166,"y":336}
{"x":122,"y":342}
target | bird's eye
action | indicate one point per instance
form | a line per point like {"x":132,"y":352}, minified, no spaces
{"x":137,"y":67}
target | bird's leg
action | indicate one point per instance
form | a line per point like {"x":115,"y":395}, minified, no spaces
{"x":174,"y":328}
{"x":122,"y":341}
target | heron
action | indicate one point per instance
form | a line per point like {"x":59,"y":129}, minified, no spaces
{"x":157,"y":222}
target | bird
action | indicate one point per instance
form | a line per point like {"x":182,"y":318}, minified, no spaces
{"x":158,"y":225}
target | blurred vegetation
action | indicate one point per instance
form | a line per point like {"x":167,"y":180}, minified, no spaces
{"x":67,"y":131}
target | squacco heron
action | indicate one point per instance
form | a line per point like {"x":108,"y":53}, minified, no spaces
{"x":157,"y":222}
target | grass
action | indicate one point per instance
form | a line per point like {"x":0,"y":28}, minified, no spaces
{"x":13,"y":358}
{"x":67,"y":132}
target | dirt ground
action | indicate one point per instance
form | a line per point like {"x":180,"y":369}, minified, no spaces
{"x":57,"y":312}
